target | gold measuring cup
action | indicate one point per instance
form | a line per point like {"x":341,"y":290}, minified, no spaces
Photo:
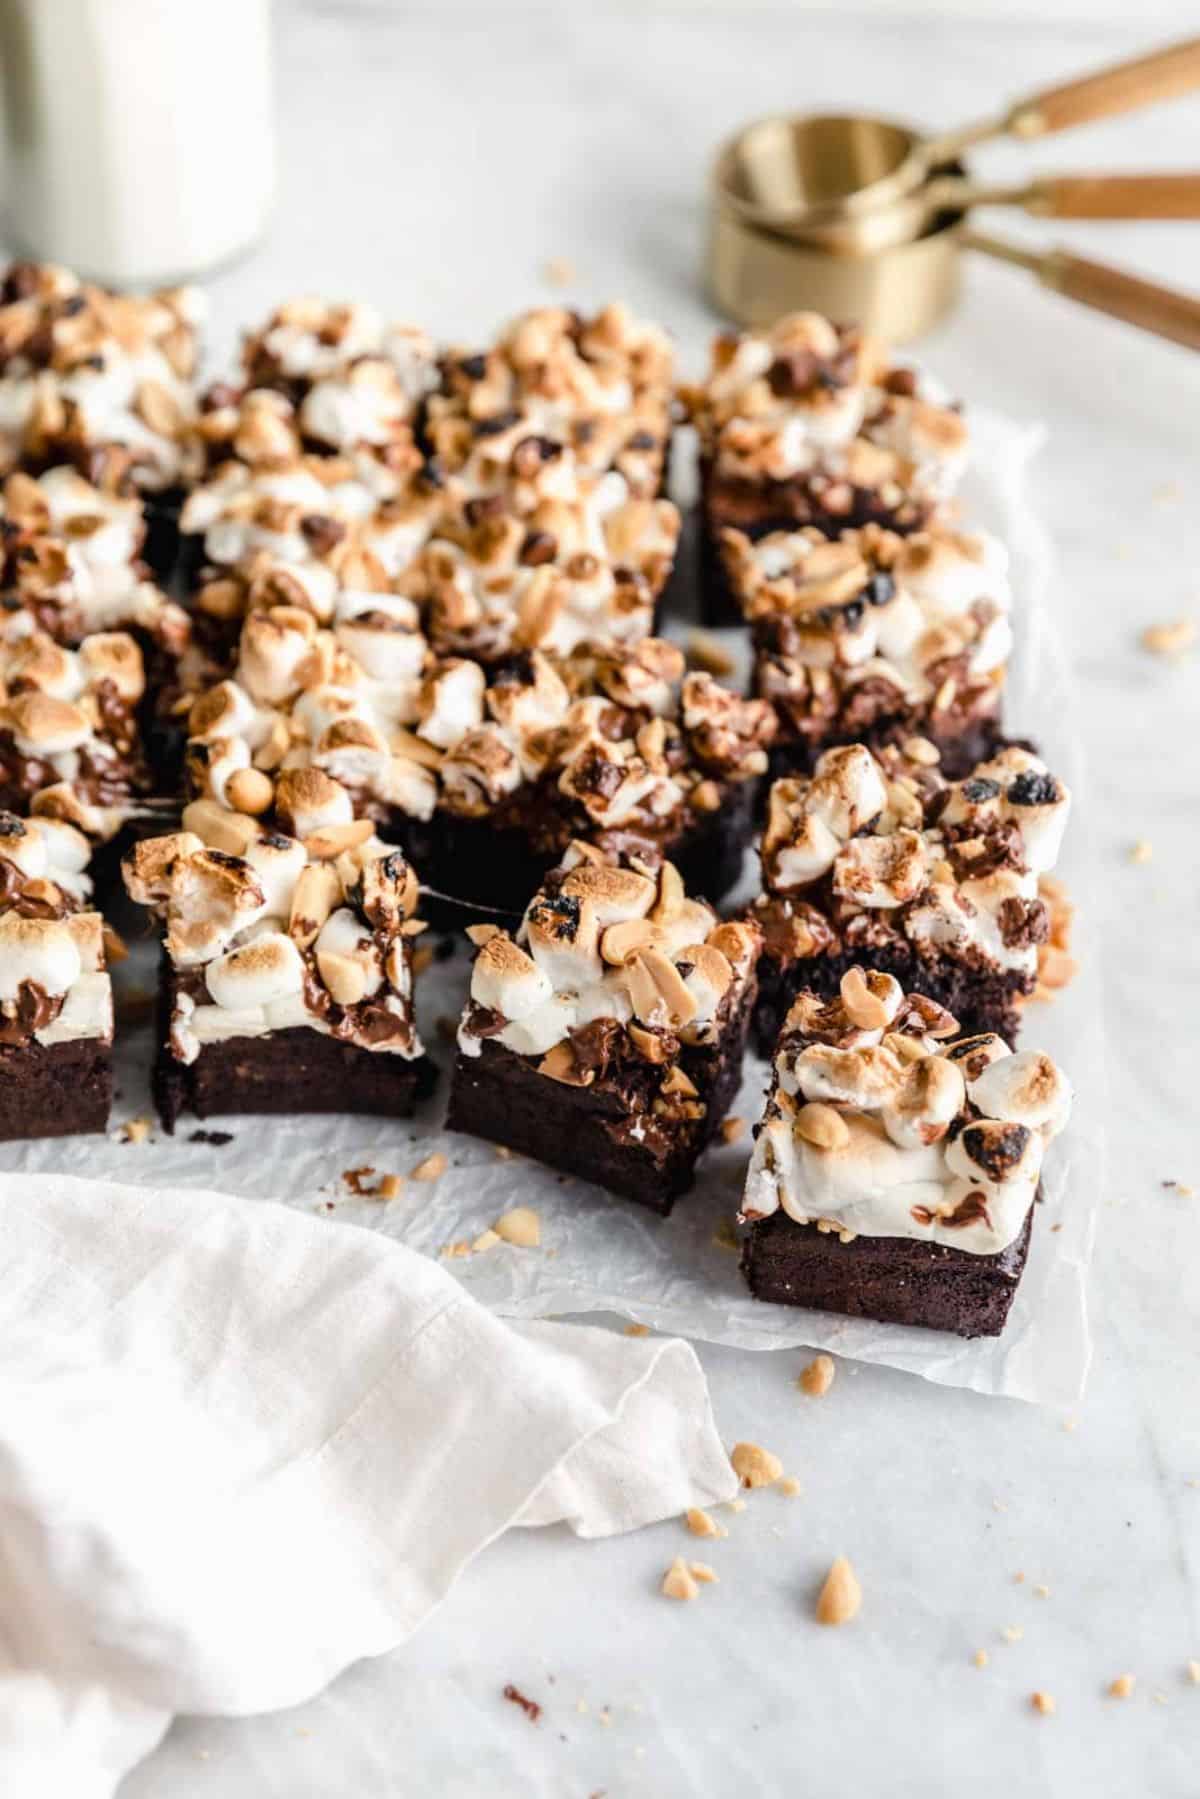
{"x":900,"y":292}
{"x":795,"y":175}
{"x":863,"y":218}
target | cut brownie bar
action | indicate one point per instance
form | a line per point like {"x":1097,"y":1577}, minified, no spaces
{"x":488,"y":774}
{"x":875,"y":637}
{"x":56,"y":1015}
{"x":881,"y":860}
{"x":809,"y":423}
{"x":287,"y":977}
{"x":606,"y":1038}
{"x":599,"y":388}
{"x":71,"y":730}
{"x":103,"y":381}
{"x":895,"y":1169}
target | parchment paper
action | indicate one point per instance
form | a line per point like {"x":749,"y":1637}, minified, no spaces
{"x":676,"y":1275}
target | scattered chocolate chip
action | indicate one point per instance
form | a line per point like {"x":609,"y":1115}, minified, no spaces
{"x":217,"y":1138}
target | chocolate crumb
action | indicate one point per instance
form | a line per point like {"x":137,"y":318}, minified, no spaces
{"x":530,"y":1707}
{"x":217,"y":1138}
{"x":356,"y":1179}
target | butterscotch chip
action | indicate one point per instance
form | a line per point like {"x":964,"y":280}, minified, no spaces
{"x":818,"y":1377}
{"x":1122,"y":1687}
{"x":1043,"y":1703}
{"x":1170,"y":639}
{"x":841,"y":1596}
{"x":521,"y":1226}
{"x":679,"y":1581}
{"x":431,"y":1169}
{"x":390,"y":1186}
{"x":251,"y":791}
{"x":702,"y":1572}
{"x":755,"y":1466}
{"x":732,"y":1129}
{"x":702,"y":1523}
{"x":821,"y":1126}
{"x":862,"y":1007}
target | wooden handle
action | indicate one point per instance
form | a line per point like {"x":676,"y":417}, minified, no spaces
{"x":1166,"y":196}
{"x":1142,"y":303}
{"x":1162,"y":75}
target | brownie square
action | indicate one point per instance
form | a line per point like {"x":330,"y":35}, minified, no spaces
{"x":881,"y":861}
{"x":287,"y":972}
{"x":897,"y":1164}
{"x":875,"y":638}
{"x":809,"y":425}
{"x":626,"y":1006}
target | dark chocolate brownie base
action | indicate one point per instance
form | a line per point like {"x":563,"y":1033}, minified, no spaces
{"x":501,"y":1096}
{"x":980,"y":1001}
{"x":474,"y":861}
{"x":895,"y":1280}
{"x":64,"y":1090}
{"x":295,"y":1070}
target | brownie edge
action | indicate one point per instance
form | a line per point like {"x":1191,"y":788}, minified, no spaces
{"x":894,"y":1280}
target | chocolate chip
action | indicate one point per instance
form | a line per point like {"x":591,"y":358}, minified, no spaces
{"x":473,"y":367}
{"x":978,"y":789}
{"x":1033,"y":789}
{"x":900,"y":381}
{"x":321,"y":532}
{"x":879,"y":589}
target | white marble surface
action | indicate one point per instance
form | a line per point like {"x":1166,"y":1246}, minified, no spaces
{"x":434,"y":159}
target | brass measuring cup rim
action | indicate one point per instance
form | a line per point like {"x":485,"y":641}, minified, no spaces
{"x":905,"y":173}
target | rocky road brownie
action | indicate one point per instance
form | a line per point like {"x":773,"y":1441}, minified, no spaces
{"x":287,"y":975}
{"x":599,"y":389}
{"x":56,"y":1014}
{"x":872,"y":637}
{"x":103,"y":381}
{"x":70,"y":730}
{"x":809,"y":423}
{"x":487,"y":774}
{"x":895,"y":1170}
{"x":606,"y":1037}
{"x":884,"y":862}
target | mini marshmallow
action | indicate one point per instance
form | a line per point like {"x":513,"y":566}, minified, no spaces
{"x":929,"y":1098}
{"x":41,"y":951}
{"x":276,"y":861}
{"x":996,"y":1151}
{"x":267,"y":969}
{"x":563,"y":936}
{"x":1027,"y":1087}
{"x":506,"y":980}
{"x":452,"y":703}
{"x":860,"y":1077}
{"x":882,"y":872}
{"x":307,"y":800}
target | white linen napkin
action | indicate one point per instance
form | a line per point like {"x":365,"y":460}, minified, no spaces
{"x":242,"y":1447}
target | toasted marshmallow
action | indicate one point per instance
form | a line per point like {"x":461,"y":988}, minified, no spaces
{"x":307,"y":800}
{"x":506,"y":980}
{"x":267,"y":969}
{"x":277,"y":861}
{"x":563,"y":935}
{"x":40,"y":951}
{"x":882,"y":872}
{"x":929,"y":1098}
{"x":996,"y":1151}
{"x":1027,"y":1086}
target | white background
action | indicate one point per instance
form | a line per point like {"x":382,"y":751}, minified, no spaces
{"x":433,"y":158}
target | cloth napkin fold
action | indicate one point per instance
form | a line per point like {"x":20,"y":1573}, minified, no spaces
{"x":242,"y":1447}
